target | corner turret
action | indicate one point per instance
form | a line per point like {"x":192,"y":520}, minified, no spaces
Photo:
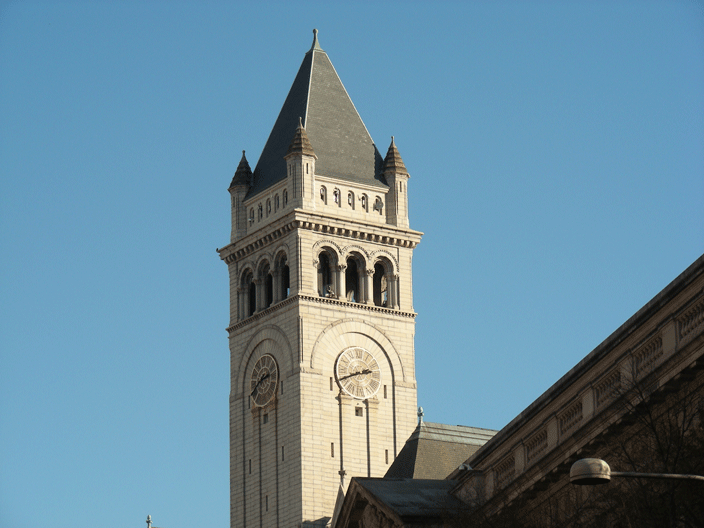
{"x":300,"y":166}
{"x":397,"y":178}
{"x":238,"y":189}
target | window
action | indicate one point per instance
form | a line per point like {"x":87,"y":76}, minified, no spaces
{"x":265,"y":418}
{"x":260,"y":212}
{"x":251,"y":216}
{"x":282,"y":453}
{"x":365,"y":205}
{"x":323,"y":195}
{"x":350,"y":199}
{"x":386,"y":456}
{"x":332,"y":450}
{"x":268,"y":207}
{"x":359,"y":411}
{"x":336,"y":196}
{"x":385,"y":392}
{"x":276,"y":203}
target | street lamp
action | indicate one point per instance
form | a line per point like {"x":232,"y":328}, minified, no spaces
{"x":592,"y":471}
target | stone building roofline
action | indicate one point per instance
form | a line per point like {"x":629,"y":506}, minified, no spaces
{"x":393,"y":162}
{"x":300,"y":144}
{"x":679,"y":284}
{"x":243,"y":174}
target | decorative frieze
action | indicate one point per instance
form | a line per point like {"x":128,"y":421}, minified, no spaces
{"x":646,"y":356}
{"x":571,"y":417}
{"x":608,"y":388}
{"x":536,"y":445}
{"x":505,"y":471}
{"x":691,"y":322}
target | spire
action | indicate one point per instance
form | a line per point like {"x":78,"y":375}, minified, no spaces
{"x":343,"y":145}
{"x":243,"y":174}
{"x":316,"y":45}
{"x":393,"y":161}
{"x":300,"y":143}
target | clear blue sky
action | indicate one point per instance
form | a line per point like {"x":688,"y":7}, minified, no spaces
{"x":556,"y":152}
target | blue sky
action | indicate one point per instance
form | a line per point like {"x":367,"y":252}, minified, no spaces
{"x":556,"y":152}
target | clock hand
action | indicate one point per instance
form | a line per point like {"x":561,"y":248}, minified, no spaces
{"x":265,"y":376}
{"x":365,"y":371}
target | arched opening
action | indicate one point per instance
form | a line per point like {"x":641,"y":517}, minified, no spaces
{"x":247,"y":292}
{"x":354,"y":279}
{"x":381,"y":294}
{"x":326,"y":287}
{"x":282,"y":286}
{"x":267,"y":283}
{"x":285,"y":281}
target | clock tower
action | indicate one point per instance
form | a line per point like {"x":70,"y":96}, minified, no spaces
{"x":321,"y":308}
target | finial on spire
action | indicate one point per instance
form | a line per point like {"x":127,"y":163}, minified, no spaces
{"x":392,"y":140}
{"x":420,"y":415}
{"x":300,"y":122}
{"x":316,"y":45}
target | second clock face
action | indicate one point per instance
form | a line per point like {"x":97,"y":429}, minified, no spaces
{"x":264,"y":379}
{"x":358,"y":373}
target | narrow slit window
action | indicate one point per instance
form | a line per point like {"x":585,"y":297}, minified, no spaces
{"x":282,"y":453}
{"x":250,"y":466}
{"x":332,"y":450}
{"x":266,"y":502}
{"x":385,"y":397}
{"x":330,"y":382}
{"x":265,"y":419}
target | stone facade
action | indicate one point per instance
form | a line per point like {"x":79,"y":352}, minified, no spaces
{"x":636,"y":401}
{"x":319,"y":267}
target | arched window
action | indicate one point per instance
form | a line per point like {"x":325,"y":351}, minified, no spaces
{"x":285,"y":280}
{"x":350,"y":199}
{"x":323,"y":194}
{"x":267,"y":283}
{"x":379,"y":204}
{"x":268,"y":206}
{"x":260,"y":211}
{"x":251,"y":216}
{"x":381,"y":294}
{"x":365,"y":203}
{"x":285,"y":197}
{"x":352,"y":281}
{"x":326,"y":288}
{"x":336,"y":196}
{"x":248,"y":299}
{"x":276,"y":203}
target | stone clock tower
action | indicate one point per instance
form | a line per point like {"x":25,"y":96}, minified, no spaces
{"x":321,"y":309}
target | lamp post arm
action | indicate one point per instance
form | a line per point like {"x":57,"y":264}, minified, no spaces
{"x":633,"y":474}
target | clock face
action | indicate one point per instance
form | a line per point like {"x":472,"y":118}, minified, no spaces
{"x":358,"y":373}
{"x":264,"y":380}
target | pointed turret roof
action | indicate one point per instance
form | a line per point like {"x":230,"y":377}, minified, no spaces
{"x":343,"y":145}
{"x":243,"y":174}
{"x":300,"y":143}
{"x":393,"y":161}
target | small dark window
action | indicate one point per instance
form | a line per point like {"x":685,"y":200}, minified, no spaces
{"x":266,"y":502}
{"x":282,"y":387}
{"x":331,"y":383}
{"x":265,"y":419}
{"x":250,"y":466}
{"x":384,"y":391}
{"x":358,"y":411}
{"x":386,"y":455}
{"x":282,"y":453}
{"x":332,"y":450}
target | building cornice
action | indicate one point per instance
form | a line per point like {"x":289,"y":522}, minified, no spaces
{"x":320,"y":223}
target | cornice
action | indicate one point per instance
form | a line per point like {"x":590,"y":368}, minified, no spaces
{"x":382,"y":234}
{"x":319,"y":300}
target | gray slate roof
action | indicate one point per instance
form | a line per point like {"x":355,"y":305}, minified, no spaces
{"x":414,"y":499}
{"x":435,"y":450}
{"x":337,"y":134}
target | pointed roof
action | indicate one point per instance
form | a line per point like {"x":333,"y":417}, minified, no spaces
{"x":342,"y":143}
{"x":435,"y":450}
{"x":392,"y":161}
{"x":300,"y":143}
{"x":243,"y":174}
